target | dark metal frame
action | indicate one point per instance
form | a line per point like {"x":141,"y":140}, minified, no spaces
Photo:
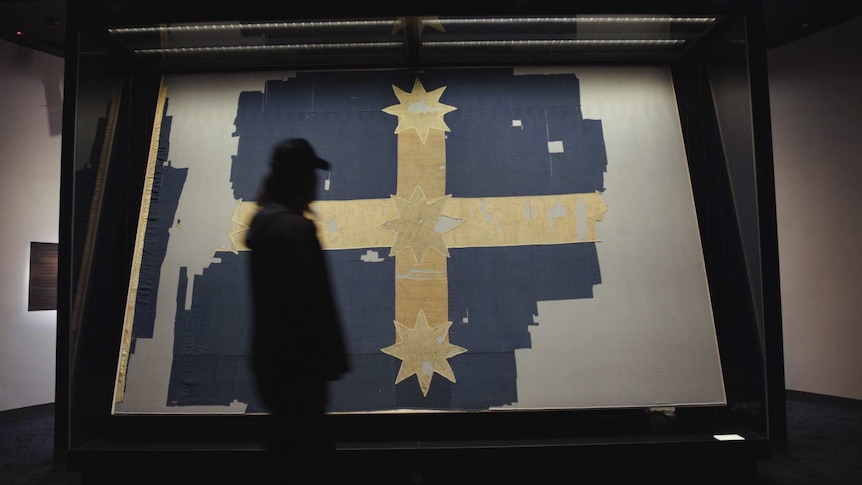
{"x":87,"y":433}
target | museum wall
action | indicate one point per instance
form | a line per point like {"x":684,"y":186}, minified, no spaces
{"x":816,"y":122}
{"x":30,"y":117}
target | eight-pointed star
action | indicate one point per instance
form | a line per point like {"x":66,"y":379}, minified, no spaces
{"x":423,"y":350}
{"x":417,"y":224}
{"x":419,"y":110}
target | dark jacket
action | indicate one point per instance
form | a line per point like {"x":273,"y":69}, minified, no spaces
{"x":297,"y":344}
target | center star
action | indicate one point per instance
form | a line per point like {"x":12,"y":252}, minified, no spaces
{"x":423,"y":350}
{"x":420,"y":224}
{"x":419,"y":110}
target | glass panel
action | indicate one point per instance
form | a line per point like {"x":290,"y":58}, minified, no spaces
{"x":414,"y":41}
{"x":729,"y":81}
{"x":100,"y":86}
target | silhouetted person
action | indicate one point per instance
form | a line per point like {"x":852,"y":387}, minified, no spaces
{"x":297,"y":345}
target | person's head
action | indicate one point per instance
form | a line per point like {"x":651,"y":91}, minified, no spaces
{"x":292,"y":177}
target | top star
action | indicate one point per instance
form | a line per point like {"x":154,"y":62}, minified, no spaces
{"x":419,"y":110}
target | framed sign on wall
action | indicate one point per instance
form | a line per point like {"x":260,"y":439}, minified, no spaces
{"x":42,"y":293}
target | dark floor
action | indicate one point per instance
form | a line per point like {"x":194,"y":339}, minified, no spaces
{"x":824,"y":445}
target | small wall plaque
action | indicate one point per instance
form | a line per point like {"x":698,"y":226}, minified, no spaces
{"x":43,"y":277}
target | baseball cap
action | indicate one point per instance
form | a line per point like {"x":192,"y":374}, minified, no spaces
{"x":294,"y":154}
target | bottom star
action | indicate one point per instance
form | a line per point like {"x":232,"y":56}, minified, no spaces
{"x":423,"y":350}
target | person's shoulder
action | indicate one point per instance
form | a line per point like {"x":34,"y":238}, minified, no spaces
{"x":275,"y":217}
{"x":293,"y":218}
{"x":290,"y":221}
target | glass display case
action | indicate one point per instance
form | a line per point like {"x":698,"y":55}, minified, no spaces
{"x":600,"y":276}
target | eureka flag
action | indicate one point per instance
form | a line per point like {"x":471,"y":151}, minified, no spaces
{"x":506,"y":169}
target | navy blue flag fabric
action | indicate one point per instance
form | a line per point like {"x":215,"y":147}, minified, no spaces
{"x":493,"y":292}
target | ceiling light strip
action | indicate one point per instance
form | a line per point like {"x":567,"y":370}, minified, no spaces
{"x":271,"y":48}
{"x":523,"y":21}
{"x":552,"y":43}
{"x":209,"y":28}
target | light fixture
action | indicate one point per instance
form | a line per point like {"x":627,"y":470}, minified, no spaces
{"x":230,"y":27}
{"x":526,"y":21}
{"x":270,"y":48}
{"x":553,"y":43}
